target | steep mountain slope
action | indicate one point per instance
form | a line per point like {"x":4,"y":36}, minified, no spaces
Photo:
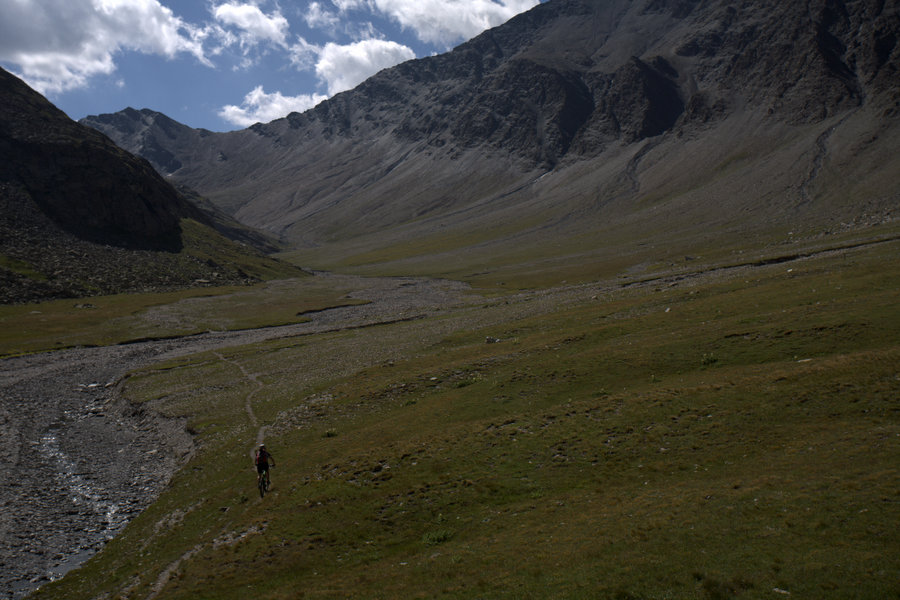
{"x":580,"y":129}
{"x":80,"y":179}
{"x":78,"y":215}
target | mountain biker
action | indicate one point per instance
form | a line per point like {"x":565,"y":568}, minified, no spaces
{"x":262,"y":462}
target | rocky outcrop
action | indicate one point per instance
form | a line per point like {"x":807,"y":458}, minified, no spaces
{"x":150,"y":134}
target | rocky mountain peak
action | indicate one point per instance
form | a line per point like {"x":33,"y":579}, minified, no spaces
{"x":147,"y":133}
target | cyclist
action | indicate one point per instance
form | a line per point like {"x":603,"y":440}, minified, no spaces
{"x":262,"y":463}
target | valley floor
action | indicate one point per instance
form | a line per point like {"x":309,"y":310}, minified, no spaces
{"x":79,"y":462}
{"x":63,"y":498}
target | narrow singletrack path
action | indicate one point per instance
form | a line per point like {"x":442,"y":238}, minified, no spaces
{"x":248,"y":400}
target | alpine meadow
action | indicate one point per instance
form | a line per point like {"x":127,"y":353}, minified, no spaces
{"x":602,"y":303}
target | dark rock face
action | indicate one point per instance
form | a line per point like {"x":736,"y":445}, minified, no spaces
{"x":638,"y":101}
{"x":80,"y":179}
{"x":554,"y":87}
{"x":601,"y":69}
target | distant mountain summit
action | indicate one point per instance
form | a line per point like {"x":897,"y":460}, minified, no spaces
{"x":81,"y":216}
{"x":150,"y":134}
{"x":588,"y":115}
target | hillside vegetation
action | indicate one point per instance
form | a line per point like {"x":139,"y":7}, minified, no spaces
{"x":680,"y":377}
{"x":730,"y":432}
{"x":125,"y":318}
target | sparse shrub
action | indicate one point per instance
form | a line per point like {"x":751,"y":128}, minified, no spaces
{"x":439,"y":536}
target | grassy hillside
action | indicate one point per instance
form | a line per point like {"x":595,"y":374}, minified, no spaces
{"x":724,"y":434}
{"x":40,"y":262}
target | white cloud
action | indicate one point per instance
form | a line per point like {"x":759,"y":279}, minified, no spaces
{"x":321,"y":18}
{"x":304,"y":54}
{"x":60,"y":44}
{"x":344,"y":67}
{"x":255,"y":26}
{"x":260,"y":107}
{"x":341,"y":67}
{"x":345,"y":5}
{"x":445,"y":22}
{"x":338,"y":24}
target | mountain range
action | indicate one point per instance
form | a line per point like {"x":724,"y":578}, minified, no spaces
{"x":612,"y":135}
{"x":579,"y":130}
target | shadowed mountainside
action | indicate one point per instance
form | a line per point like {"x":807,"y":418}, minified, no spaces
{"x":80,"y":179}
{"x":601,"y":124}
{"x":80,"y":216}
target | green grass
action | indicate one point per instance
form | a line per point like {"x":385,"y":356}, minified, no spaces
{"x":204,"y":244}
{"x":530,"y":257}
{"x":104,"y":320}
{"x":735,"y":435}
{"x":21,"y":267}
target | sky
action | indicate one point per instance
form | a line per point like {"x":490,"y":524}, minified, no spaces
{"x":224,"y":64}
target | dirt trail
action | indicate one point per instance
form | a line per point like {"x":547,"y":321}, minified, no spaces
{"x":168,"y":572}
{"x":248,"y":401}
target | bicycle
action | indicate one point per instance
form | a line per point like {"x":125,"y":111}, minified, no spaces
{"x":263,"y":483}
